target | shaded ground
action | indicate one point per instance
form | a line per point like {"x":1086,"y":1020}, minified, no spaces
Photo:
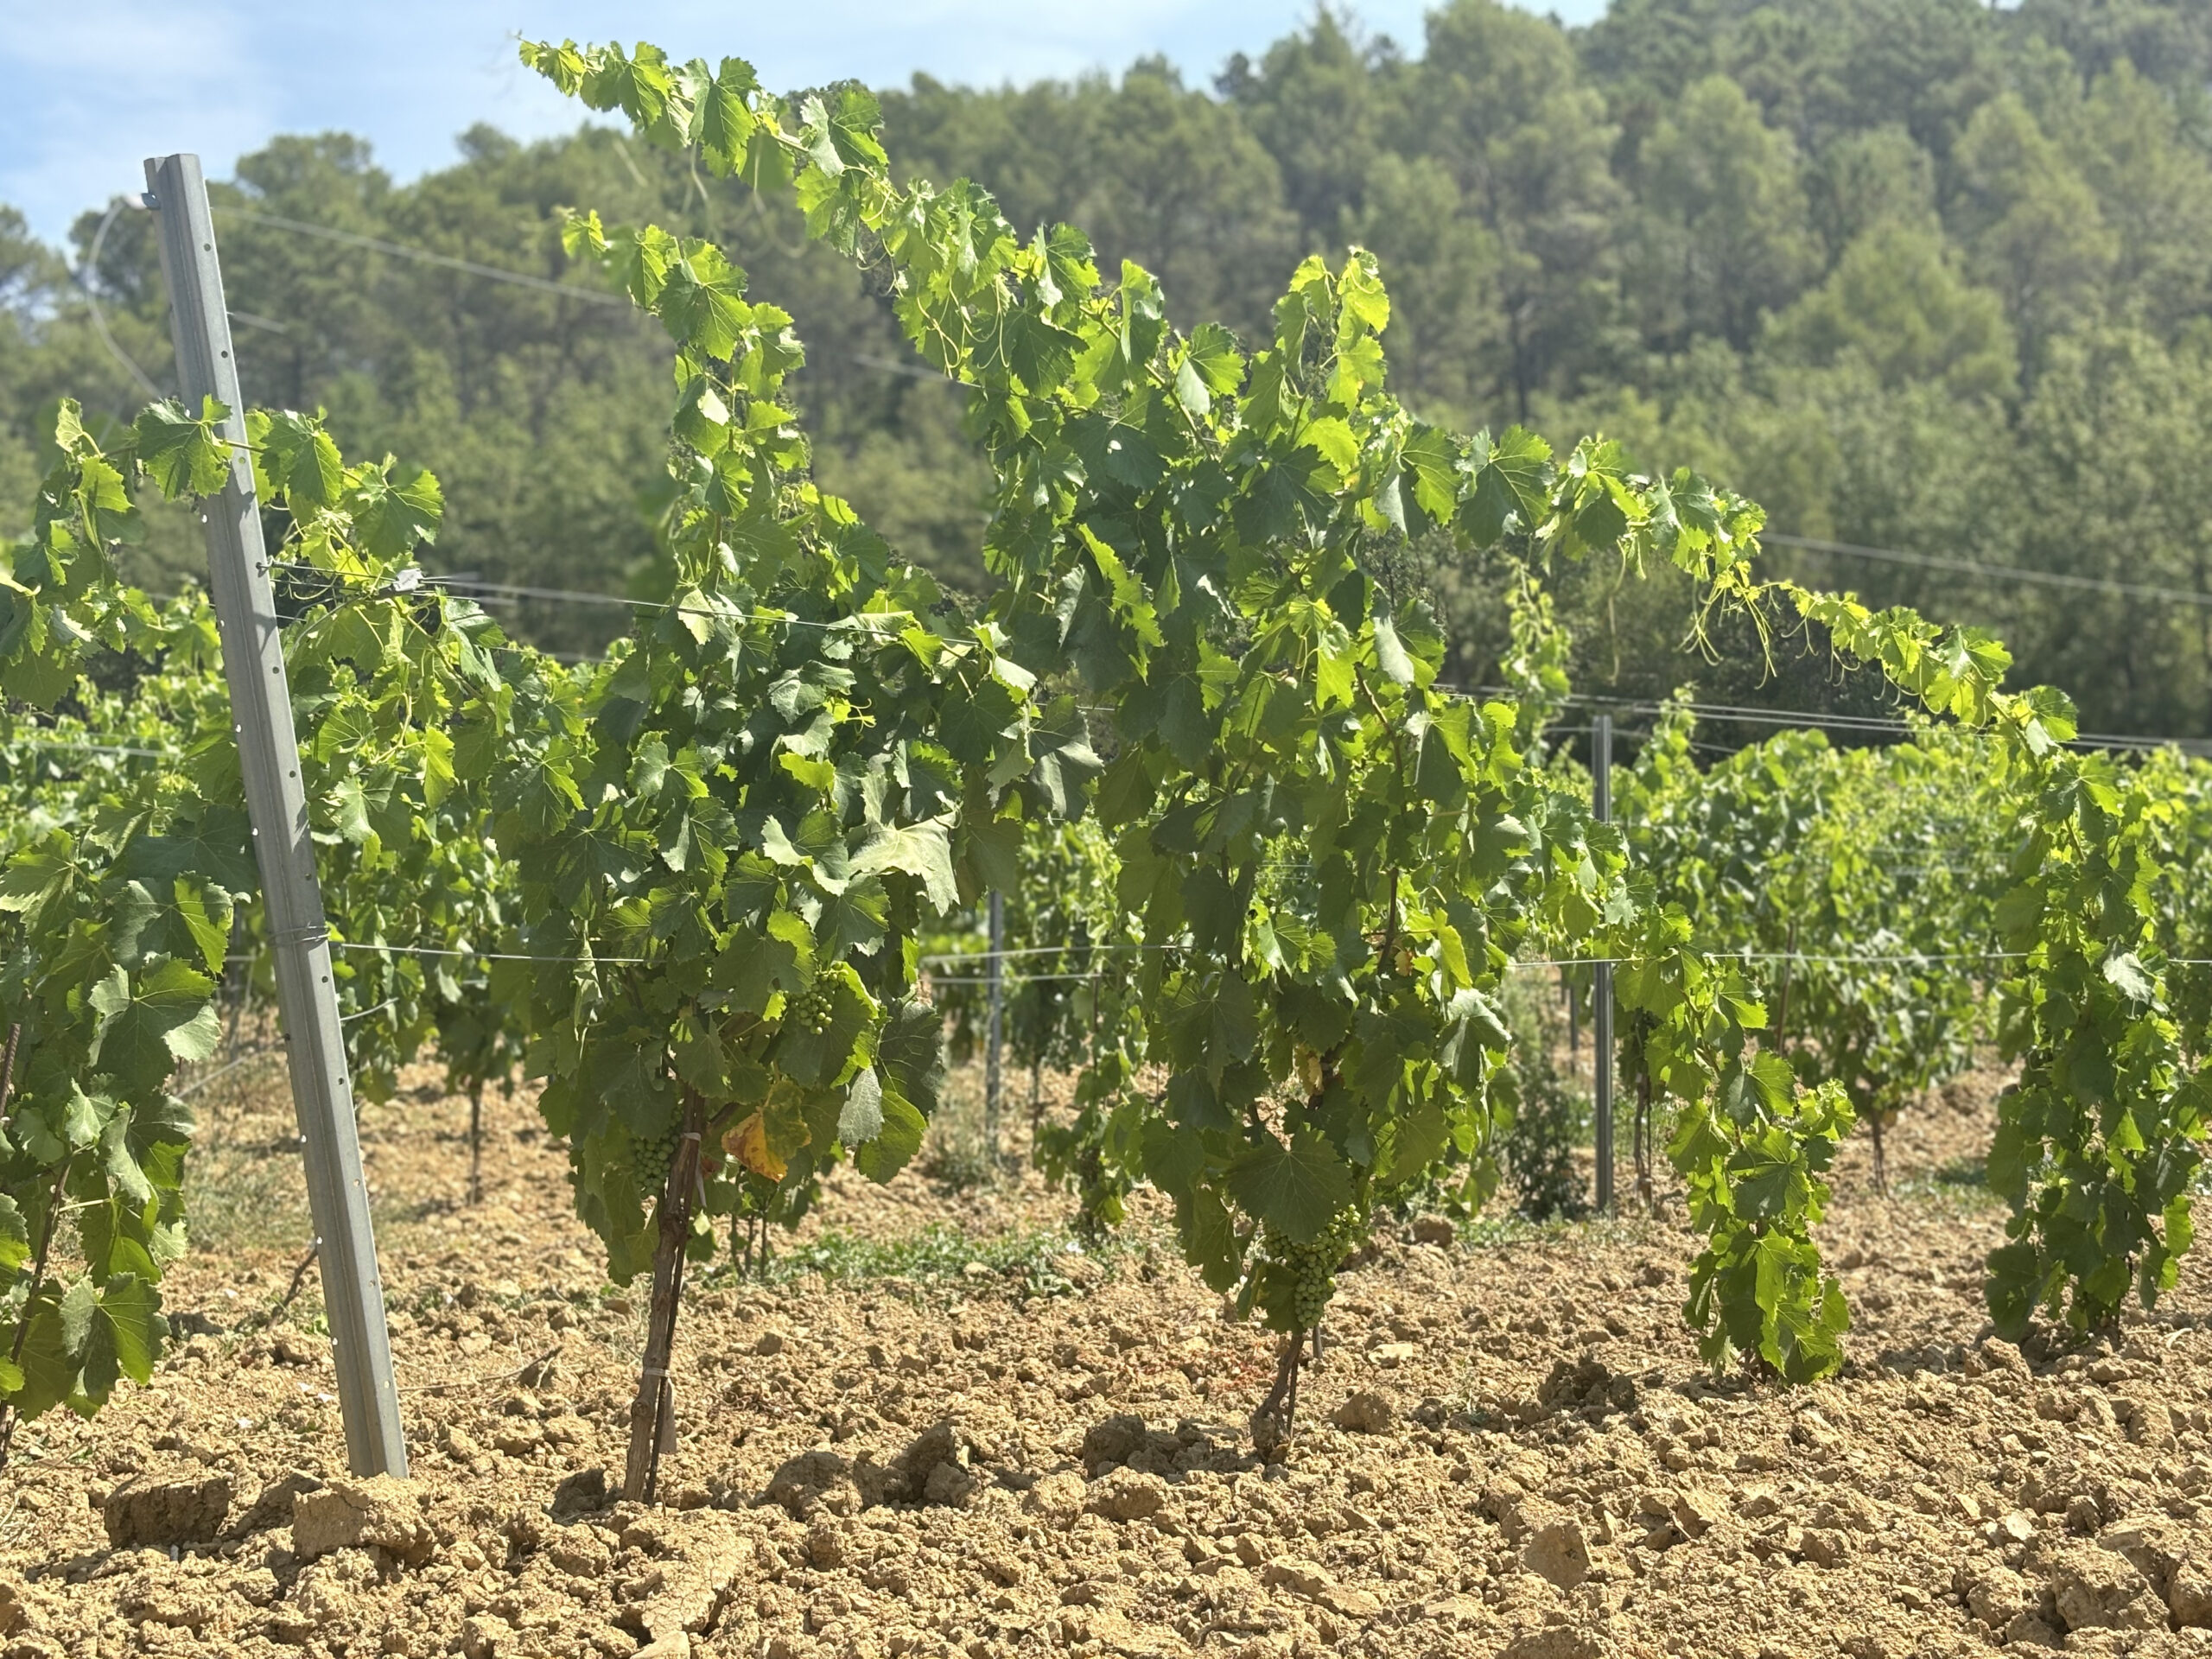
{"x":1510,"y":1446}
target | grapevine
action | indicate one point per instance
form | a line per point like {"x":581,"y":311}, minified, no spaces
{"x":117,"y":905}
{"x":1180,"y":526}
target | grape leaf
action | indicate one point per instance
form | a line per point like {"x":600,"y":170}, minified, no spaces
{"x":1297,"y":1189}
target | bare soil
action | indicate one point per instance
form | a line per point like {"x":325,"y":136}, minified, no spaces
{"x":935,"y":1428}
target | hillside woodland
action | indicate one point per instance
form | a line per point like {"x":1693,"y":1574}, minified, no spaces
{"x":1919,"y":275}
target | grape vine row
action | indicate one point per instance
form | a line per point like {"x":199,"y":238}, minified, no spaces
{"x":695,"y":886}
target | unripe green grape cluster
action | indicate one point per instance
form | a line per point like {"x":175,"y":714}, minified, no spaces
{"x":1303,"y":1275}
{"x":808,"y":1011}
{"x":654,"y":1155}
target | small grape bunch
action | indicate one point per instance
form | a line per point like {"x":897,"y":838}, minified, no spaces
{"x":1302,"y":1274}
{"x":654,"y":1155}
{"x":810,"y":1011}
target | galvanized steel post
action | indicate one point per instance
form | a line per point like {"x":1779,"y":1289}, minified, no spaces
{"x":1601,"y":992}
{"x":268,"y":756}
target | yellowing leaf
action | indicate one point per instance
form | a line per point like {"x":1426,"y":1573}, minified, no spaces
{"x":748,"y":1143}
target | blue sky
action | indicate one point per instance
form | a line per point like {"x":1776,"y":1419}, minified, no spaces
{"x":89,"y":89}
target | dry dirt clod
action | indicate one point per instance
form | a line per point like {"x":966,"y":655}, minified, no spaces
{"x":1558,"y":1553}
{"x":271,"y":1510}
{"x":1125,"y":1495}
{"x":2017,"y":1528}
{"x":173,"y":1510}
{"x":581,"y":1493}
{"x":1055,"y":1500}
{"x":379,"y":1512}
{"x":1317,"y":1585}
{"x":935,"y":1466}
{"x":1694,"y":1511}
{"x":1558,"y":1642}
{"x":1367,"y":1412}
{"x":1757,"y":1503}
{"x":2096,"y":1589}
{"x":1999,"y":1595}
{"x":1825,"y":1547}
{"x":1113,"y":1442}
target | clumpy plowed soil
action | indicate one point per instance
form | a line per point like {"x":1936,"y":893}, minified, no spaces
{"x":1510,"y":1447}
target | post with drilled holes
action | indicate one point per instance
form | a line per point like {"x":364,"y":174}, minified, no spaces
{"x":268,"y":758}
{"x":1601,"y":990}
{"x":994,"y":1027}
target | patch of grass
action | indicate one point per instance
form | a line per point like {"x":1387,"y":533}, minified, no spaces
{"x":1490,"y":1232}
{"x":1032,"y":1260}
{"x":957,"y":1155}
{"x":1962,"y":1185}
{"x":239,"y":1199}
{"x":958,"y":1162}
{"x":244,"y":1188}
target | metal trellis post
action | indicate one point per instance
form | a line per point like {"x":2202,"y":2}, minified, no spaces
{"x":994,"y":1025}
{"x":268,"y":756}
{"x":1601,"y":992}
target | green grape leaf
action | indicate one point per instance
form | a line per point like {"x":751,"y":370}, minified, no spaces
{"x":1190,"y":390}
{"x":1433,"y":457}
{"x":861,"y":1118}
{"x":40,"y":874}
{"x":15,"y":1236}
{"x":1214,"y":356}
{"x":921,"y":850}
{"x":894,"y":1145}
{"x":1389,"y":653}
{"x":726,"y":122}
{"x":209,"y":923}
{"x":123,"y":1334}
{"x":184,"y":453}
{"x":349,"y":809}
{"x":2126,"y":976}
{"x":168,"y":1015}
{"x":1769,"y":1179}
{"x":1235,"y":1023}
{"x":394,"y":512}
{"x":160,"y":1132}
{"x":49,"y":1361}
{"x":701,"y":302}
{"x":2018,"y":1282}
{"x":1297,"y":1189}
{"x":1512,"y":479}
{"x":1208,"y":1238}
{"x":1173,"y":1160}
{"x":700,"y":1058}
{"x":132,"y":915}
{"x":303,"y":461}
{"x":817,"y":1058}
{"x":118,"y":1163}
{"x":910,"y":1053}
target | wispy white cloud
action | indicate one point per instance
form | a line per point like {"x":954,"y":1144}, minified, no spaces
{"x":88,"y":90}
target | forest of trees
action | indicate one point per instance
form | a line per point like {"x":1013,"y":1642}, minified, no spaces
{"x":1919,"y":275}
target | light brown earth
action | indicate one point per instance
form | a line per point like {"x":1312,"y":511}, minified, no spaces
{"x":1510,"y":1447}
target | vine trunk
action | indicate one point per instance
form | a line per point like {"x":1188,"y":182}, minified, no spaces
{"x":653,"y":1413}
